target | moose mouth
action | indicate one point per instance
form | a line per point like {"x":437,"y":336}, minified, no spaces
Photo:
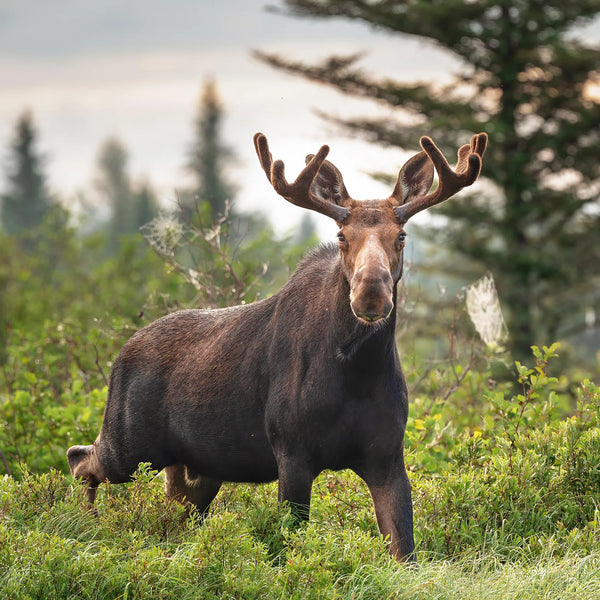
{"x":369,"y":320}
{"x":370,"y":317}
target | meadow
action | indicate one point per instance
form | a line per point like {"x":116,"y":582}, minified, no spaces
{"x":505,"y":469}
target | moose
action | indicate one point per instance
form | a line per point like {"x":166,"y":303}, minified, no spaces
{"x":305,"y":380}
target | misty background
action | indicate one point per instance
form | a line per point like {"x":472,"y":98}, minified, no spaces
{"x":134,"y":71}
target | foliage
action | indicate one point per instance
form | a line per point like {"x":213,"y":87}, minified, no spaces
{"x":67,"y":309}
{"x":524,"y":477}
{"x":528,"y":82}
{"x":224,"y":268}
{"x":509,"y":511}
{"x":66,"y":312}
{"x":26,"y":200}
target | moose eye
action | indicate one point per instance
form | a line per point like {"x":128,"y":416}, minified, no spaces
{"x":341,"y":238}
{"x":401,"y":239}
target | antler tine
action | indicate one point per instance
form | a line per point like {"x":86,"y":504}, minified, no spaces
{"x":299,"y":192}
{"x":264,"y":156}
{"x":450,"y":181}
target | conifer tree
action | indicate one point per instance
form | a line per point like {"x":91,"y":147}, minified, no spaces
{"x":130,"y":207}
{"x":26,"y":199}
{"x":208,"y":155}
{"x":534,"y":88}
{"x":145,"y":205}
{"x":115,"y":189}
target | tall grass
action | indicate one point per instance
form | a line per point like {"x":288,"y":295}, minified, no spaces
{"x":506,"y":509}
{"x":140,"y":546}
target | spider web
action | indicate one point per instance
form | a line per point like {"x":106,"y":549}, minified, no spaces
{"x":483,"y":306}
{"x":163,"y":233}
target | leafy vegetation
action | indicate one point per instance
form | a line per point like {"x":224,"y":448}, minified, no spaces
{"x":504,"y":510}
{"x":505,"y":474}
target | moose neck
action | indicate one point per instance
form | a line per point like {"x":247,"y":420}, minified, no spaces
{"x":355,"y":339}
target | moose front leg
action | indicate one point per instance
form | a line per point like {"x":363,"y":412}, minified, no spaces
{"x":393,"y":508}
{"x":295,"y":486}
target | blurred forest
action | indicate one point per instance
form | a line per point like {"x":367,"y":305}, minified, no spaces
{"x":75,"y":284}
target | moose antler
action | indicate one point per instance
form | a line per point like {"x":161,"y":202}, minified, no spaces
{"x":466,"y":172}
{"x":299,"y":192}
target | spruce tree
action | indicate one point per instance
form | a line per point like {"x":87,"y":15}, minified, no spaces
{"x":208,"y":155}
{"x":130,"y":207}
{"x":114,"y":186}
{"x":26,"y":200}
{"x":530,"y":84}
{"x":145,"y":206}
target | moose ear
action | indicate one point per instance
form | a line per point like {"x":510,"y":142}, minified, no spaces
{"x":329,"y":184}
{"x":414,"y":180}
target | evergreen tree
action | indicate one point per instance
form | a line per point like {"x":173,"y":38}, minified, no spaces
{"x":144,"y":206}
{"x":130,"y":206}
{"x":527,"y":82}
{"x":208,"y":156}
{"x":26,"y":200}
{"x":306,"y":231}
{"x":114,"y":187}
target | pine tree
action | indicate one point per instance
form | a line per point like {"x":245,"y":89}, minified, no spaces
{"x":26,"y":200}
{"x":306,"y":231}
{"x":130,"y":206}
{"x":209,"y":156}
{"x":144,"y":206}
{"x":533,"y":87}
{"x":115,"y":189}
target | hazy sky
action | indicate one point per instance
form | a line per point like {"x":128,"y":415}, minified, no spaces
{"x":92,"y":69}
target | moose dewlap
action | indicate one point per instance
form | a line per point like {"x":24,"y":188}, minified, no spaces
{"x":283,"y":388}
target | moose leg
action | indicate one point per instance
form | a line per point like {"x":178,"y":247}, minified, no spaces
{"x":295,"y":486}
{"x":185,"y":486}
{"x":393,"y":509}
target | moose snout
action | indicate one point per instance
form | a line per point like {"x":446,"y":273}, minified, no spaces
{"x":371,"y":317}
{"x":371,"y":295}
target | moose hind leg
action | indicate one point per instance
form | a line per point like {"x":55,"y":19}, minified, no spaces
{"x":84,"y":463}
{"x":184,"y":485}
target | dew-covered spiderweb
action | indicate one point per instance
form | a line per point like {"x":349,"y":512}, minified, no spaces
{"x":485,"y":311}
{"x":163,"y":233}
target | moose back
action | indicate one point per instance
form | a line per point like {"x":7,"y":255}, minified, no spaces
{"x":305,"y":380}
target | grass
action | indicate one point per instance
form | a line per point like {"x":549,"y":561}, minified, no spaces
{"x":139,"y":546}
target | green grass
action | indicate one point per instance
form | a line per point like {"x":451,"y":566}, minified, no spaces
{"x":139,"y":546}
{"x":508,"y":507}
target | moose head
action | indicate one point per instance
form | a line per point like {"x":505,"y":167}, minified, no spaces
{"x":371,"y":237}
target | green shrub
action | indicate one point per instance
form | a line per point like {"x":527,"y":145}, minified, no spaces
{"x":505,"y":475}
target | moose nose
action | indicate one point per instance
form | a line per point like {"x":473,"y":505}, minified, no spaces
{"x":371,"y":294}
{"x":371,"y":316}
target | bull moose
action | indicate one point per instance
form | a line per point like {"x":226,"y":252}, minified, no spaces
{"x":283,"y":388}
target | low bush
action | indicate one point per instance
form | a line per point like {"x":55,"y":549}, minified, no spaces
{"x":511,"y":511}
{"x":505,"y":474}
